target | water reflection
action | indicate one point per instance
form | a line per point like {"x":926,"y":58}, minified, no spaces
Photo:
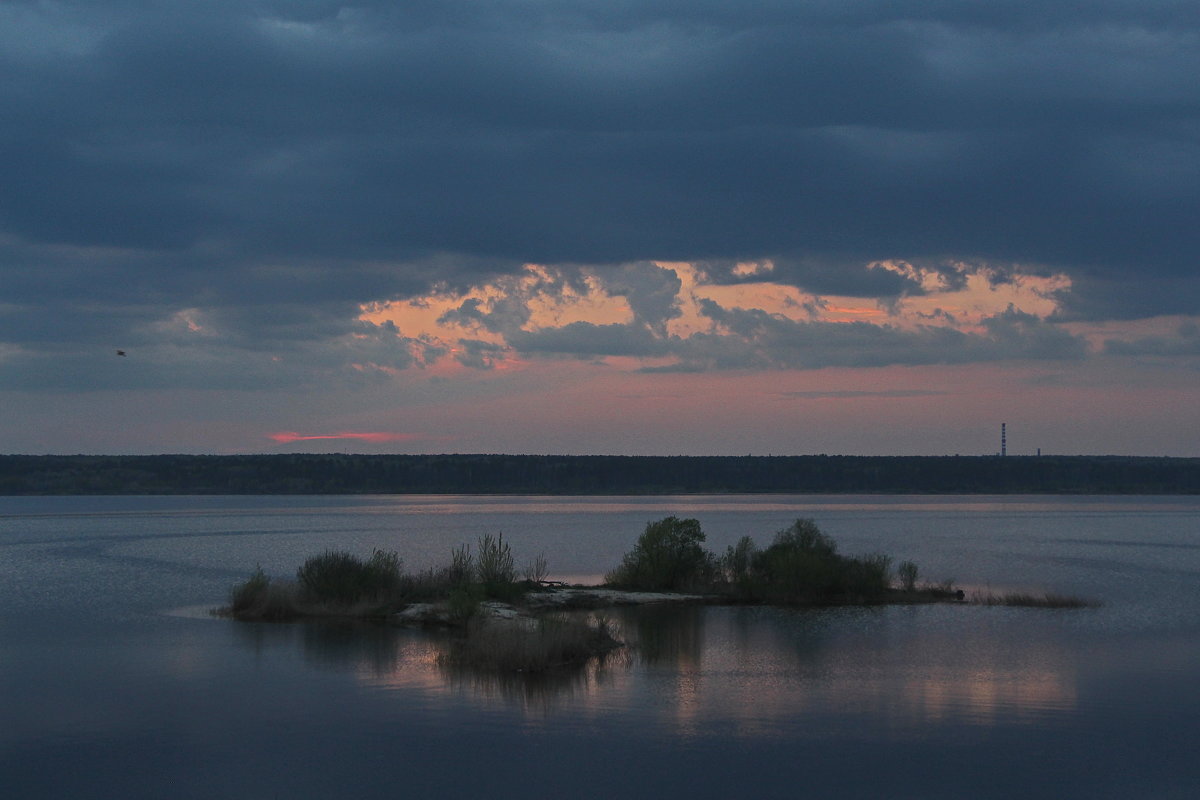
{"x":664,"y":635}
{"x":358,"y":646}
{"x":764,"y":670}
{"x":761,"y":670}
{"x":538,"y":695}
{"x":751,"y":671}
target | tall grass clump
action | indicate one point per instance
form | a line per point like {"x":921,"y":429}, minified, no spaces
{"x":462,"y":566}
{"x":495,"y":562}
{"x":342,"y":579}
{"x":246,"y":594}
{"x":668,"y":556}
{"x":260,"y":598}
{"x":495,"y":570}
{"x":907,"y":572}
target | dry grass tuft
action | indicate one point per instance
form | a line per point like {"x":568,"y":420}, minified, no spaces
{"x":1030,"y":600}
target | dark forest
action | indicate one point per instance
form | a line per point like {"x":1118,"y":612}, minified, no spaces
{"x":565,"y":475}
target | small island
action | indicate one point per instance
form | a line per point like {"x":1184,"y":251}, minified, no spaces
{"x":508,"y":621}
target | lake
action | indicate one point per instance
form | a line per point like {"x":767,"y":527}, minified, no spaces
{"x":115,"y":683}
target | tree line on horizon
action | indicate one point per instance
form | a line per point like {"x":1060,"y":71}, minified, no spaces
{"x":548,"y":474}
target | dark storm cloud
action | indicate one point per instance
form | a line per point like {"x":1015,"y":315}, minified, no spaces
{"x":229,"y":156}
{"x":587,"y":340}
{"x":821,"y":276}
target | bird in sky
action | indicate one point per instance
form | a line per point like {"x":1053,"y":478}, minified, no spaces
{"x":120,"y":352}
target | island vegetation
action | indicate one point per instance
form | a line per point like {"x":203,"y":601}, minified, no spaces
{"x":504,"y":614}
{"x":466,"y":593}
{"x":339,"y":583}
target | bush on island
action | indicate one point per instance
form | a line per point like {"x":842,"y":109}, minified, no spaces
{"x":668,"y":556}
{"x":800,"y":566}
{"x":340,"y":578}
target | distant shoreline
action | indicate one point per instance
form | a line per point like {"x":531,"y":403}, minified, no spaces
{"x":495,"y":474}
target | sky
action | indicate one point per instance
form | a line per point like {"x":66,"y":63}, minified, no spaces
{"x":600,"y":226}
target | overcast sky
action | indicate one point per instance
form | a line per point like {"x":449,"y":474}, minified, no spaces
{"x":600,"y":226}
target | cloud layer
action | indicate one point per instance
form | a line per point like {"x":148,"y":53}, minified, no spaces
{"x":222,"y":188}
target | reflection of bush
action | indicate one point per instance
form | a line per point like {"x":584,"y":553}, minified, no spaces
{"x":667,"y":634}
{"x":539,"y":692}
{"x":524,"y":645}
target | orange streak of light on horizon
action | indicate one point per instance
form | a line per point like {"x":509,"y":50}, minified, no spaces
{"x":287,"y":437}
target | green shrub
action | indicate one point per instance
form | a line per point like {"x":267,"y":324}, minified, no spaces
{"x":867,"y":577}
{"x":805,"y":536}
{"x":907,"y":571}
{"x":668,"y":556}
{"x":463,"y":603}
{"x":341,"y":578}
{"x":802,"y":565}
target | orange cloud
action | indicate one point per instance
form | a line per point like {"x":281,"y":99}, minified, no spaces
{"x":287,"y":437}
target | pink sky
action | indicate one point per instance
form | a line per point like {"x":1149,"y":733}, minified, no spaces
{"x":550,"y":375}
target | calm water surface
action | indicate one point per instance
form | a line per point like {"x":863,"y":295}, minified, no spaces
{"x":113,"y":684}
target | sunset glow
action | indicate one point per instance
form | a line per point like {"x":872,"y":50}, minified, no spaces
{"x":287,"y":437}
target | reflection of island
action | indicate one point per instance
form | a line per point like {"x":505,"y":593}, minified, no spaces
{"x":753,"y":671}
